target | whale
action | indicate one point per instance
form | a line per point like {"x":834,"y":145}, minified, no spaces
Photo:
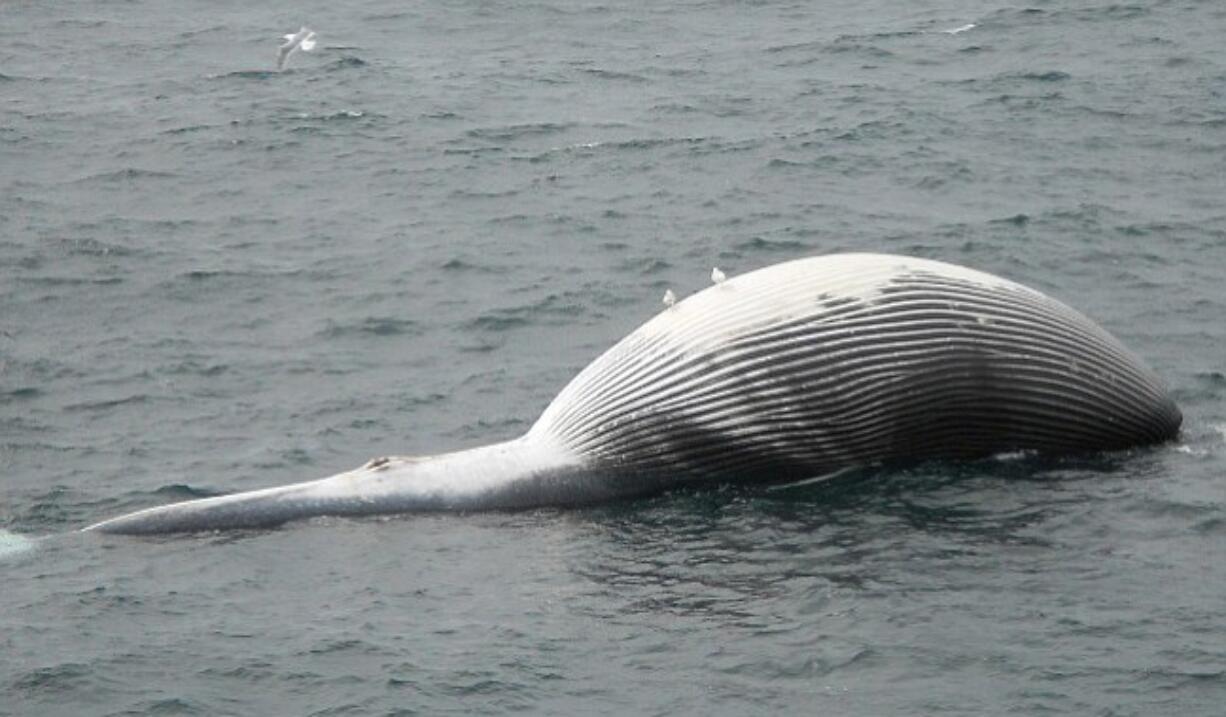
{"x":787,"y":373}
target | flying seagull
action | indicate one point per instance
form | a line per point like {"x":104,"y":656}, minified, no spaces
{"x":304,"y":39}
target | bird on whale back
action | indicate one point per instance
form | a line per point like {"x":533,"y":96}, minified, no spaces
{"x":786,"y":373}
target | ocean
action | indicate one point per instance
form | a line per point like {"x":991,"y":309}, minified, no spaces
{"x":215,"y":277}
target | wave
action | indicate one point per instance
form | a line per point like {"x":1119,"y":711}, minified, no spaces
{"x":125,"y":174}
{"x":1049,"y":76}
{"x":24,"y":393}
{"x":246,"y":75}
{"x":345,"y":63}
{"x":553,"y":309}
{"x":458,"y":264}
{"x":107,"y":404}
{"x":372,"y":326}
{"x":182,"y":491}
{"x":507,"y":133}
{"x":70,"y":280}
{"x":758,"y":245}
{"x":613,"y":75}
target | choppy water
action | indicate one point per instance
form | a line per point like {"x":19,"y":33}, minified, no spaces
{"x":217,"y":277}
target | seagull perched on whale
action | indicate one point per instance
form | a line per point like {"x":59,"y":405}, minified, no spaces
{"x":304,"y":39}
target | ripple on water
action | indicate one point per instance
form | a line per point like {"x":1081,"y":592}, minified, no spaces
{"x":372,"y":326}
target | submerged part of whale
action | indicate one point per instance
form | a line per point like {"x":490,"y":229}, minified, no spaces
{"x":786,"y":373}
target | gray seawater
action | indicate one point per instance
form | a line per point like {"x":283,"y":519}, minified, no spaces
{"x":215,"y":277}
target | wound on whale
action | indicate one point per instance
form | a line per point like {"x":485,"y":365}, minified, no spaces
{"x":787,"y":373}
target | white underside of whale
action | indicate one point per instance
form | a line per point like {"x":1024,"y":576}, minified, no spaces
{"x":789,"y":372}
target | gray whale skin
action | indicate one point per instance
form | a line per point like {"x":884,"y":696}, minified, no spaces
{"x":788,"y":373}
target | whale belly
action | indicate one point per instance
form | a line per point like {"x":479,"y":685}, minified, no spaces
{"x":823,"y":363}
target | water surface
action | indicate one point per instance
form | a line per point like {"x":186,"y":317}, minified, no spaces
{"x":217,"y":277}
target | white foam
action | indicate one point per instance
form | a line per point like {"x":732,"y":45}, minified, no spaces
{"x":13,"y":544}
{"x":1010,"y":456}
{"x":1185,"y":448}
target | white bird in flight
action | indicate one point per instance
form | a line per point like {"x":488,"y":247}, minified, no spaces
{"x":669,"y":297}
{"x":717,"y":276}
{"x":303,"y":40}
